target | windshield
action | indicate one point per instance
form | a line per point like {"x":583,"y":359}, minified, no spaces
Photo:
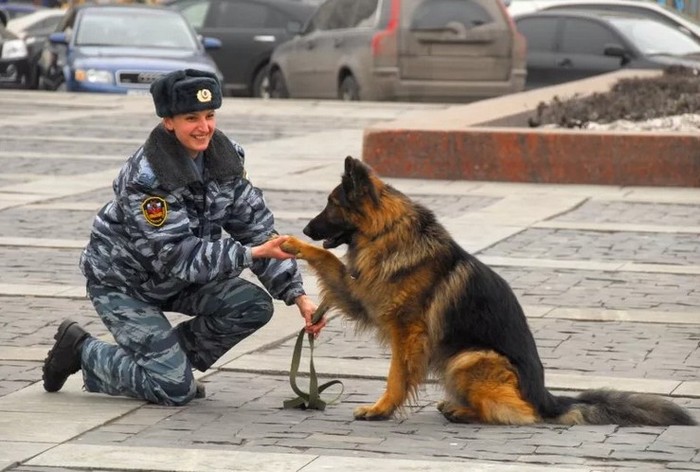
{"x":652,"y":37}
{"x":142,"y":28}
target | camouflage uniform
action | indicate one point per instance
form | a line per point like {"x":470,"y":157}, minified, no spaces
{"x":158,"y":246}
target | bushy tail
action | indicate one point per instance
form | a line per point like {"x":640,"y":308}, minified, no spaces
{"x":622,"y":408}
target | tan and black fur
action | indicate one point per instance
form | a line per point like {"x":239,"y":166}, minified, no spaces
{"x":442,"y":311}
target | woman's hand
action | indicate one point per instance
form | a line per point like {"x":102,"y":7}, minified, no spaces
{"x":271,"y":249}
{"x":307,"y":308}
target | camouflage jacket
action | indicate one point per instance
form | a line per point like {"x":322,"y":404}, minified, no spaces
{"x":163,"y":229}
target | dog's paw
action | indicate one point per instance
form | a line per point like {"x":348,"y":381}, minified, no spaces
{"x":293,"y":246}
{"x":454,"y":413}
{"x":371,"y":413}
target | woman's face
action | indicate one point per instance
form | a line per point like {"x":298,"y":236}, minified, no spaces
{"x":194,"y":130}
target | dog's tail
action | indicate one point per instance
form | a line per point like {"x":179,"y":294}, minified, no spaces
{"x":622,"y":408}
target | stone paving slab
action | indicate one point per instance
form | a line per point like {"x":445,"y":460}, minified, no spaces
{"x":243,"y":413}
{"x":294,"y":152}
{"x":601,"y":211}
{"x":621,"y":350}
{"x":570,"y":244}
{"x":195,"y":460}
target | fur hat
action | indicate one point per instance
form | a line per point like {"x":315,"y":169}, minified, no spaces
{"x":185,"y":91}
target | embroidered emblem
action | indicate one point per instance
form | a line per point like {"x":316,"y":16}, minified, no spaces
{"x":204,"y":95}
{"x":155,"y":210}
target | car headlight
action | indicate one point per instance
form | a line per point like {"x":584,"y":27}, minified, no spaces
{"x":14,"y":49}
{"x":94,"y":76}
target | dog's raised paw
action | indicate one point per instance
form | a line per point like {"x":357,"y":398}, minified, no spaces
{"x":292,"y":246}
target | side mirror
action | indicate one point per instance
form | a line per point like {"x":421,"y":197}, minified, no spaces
{"x":211,"y":43}
{"x":615,"y":50}
{"x":59,"y":37}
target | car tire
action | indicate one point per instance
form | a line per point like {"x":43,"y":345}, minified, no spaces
{"x":278,"y":86}
{"x":349,"y":90}
{"x":261,"y":83}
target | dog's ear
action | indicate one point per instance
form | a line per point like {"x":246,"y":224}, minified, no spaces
{"x":357,"y":182}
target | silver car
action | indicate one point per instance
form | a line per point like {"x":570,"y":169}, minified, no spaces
{"x":431,"y":50}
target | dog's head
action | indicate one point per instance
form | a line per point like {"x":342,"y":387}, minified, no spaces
{"x":349,"y":204}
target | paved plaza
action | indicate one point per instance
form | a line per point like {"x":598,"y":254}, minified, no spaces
{"x":609,"y":278}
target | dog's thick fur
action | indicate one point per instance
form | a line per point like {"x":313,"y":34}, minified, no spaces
{"x":441,"y":310}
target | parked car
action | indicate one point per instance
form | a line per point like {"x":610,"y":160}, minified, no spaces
{"x":249,"y":31}
{"x":10,"y":10}
{"x":648,"y":8}
{"x":118,"y":48}
{"x":14,"y":63}
{"x":402,"y":50}
{"x":34,"y":30}
{"x":570,"y":45}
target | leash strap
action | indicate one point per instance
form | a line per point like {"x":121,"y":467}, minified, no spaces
{"x":311,"y":400}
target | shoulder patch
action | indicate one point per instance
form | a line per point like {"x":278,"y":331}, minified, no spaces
{"x":155,"y":210}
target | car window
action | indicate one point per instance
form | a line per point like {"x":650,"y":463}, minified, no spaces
{"x":195,"y":12}
{"x":334,"y":14}
{"x":165,"y":29}
{"x":247,"y":15}
{"x":652,"y":37}
{"x":621,"y":8}
{"x":47,"y":25}
{"x":581,"y":36}
{"x":365,"y":13}
{"x":239,"y":15}
{"x":540,"y":33}
{"x":435,"y":14}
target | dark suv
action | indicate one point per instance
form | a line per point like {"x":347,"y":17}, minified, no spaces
{"x":402,"y":49}
{"x":248,"y":30}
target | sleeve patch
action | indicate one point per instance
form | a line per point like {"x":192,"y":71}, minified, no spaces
{"x":155,"y":210}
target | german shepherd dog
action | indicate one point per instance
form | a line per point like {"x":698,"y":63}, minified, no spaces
{"x":444,"y":312}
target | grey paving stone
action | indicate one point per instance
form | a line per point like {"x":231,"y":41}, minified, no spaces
{"x":598,"y":211}
{"x":53,"y":166}
{"x":565,"y":244}
{"x":612,"y":291}
{"x":44,"y":223}
{"x":39,"y":265}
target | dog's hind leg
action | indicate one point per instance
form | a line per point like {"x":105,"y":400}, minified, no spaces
{"x":457,"y":413}
{"x":483,"y":387}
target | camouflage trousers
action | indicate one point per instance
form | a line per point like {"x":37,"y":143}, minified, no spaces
{"x":153,"y":360}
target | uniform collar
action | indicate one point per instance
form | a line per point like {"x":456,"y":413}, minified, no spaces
{"x":170,"y":161}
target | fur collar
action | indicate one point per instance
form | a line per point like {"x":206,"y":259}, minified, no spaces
{"x":171,"y":163}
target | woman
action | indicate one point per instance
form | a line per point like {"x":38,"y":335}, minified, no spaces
{"x":159,"y":246}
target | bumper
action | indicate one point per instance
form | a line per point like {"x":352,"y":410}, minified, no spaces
{"x":387,"y":85}
{"x":14,"y":73}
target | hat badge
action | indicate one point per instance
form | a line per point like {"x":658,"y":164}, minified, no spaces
{"x":204,"y":95}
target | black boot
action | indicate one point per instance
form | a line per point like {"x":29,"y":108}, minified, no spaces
{"x":63,"y":359}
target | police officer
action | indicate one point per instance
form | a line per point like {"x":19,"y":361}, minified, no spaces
{"x":159,"y":246}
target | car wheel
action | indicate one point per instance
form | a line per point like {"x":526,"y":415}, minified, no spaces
{"x":261,"y":84}
{"x":278,"y":86}
{"x":349,"y":90}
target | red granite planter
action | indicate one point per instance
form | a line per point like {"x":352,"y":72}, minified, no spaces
{"x":489,"y":140}
{"x":534,"y":155}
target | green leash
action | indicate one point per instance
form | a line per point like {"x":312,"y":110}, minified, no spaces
{"x":311,"y":400}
